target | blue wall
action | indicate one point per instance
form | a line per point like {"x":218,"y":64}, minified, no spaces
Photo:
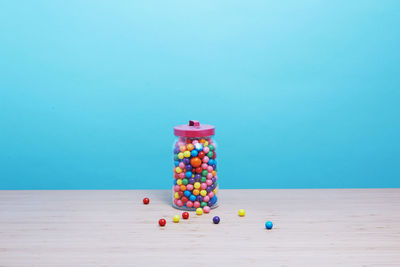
{"x":302,"y":93}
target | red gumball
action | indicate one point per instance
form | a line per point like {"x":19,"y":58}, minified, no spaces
{"x":199,"y":169}
{"x":180,"y":193}
{"x":201,"y":154}
{"x":184,"y":199}
{"x":185,"y":215}
{"x":146,"y":201}
{"x":214,"y":156}
{"x":195,"y":162}
{"x":162,"y":222}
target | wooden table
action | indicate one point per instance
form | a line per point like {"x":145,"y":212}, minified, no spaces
{"x":328,"y":227}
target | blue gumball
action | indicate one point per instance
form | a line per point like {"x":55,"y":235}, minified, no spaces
{"x":194,"y":153}
{"x":269,"y":225}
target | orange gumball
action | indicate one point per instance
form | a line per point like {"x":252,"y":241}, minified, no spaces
{"x":196,"y":192}
{"x":190,"y":147}
{"x":183,"y":187}
{"x":202,"y":140}
{"x":195,"y":162}
{"x":182,"y":148}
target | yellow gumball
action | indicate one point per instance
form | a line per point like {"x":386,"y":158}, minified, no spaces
{"x":197,"y":185}
{"x":215,"y":190}
{"x":206,"y":143}
{"x":199,"y":211}
{"x":179,"y":181}
{"x":241,"y":212}
{"x":203,"y":193}
{"x":178,"y":170}
{"x":186,"y":154}
{"x":180,"y":155}
{"x":176,"y":218}
{"x":176,"y":195}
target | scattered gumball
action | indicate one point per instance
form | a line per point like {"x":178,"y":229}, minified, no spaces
{"x":185,"y":215}
{"x":162,"y":222}
{"x":146,"y":201}
{"x":216,"y":219}
{"x":199,"y":211}
{"x":269,"y":225}
{"x":176,"y":218}
{"x":241,"y":212}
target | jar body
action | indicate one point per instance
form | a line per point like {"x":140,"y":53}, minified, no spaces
{"x":195,"y":183}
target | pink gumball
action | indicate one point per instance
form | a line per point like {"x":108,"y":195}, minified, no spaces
{"x":204,"y":166}
{"x":206,"y":198}
{"x":206,"y":149}
{"x":203,"y":186}
{"x":206,"y":209}
{"x":176,"y":188}
{"x":181,"y":175}
{"x":206,"y":159}
{"x":175,"y":200}
{"x":180,"y":143}
{"x":208,"y":182}
{"x":196,"y":204}
{"x":209,"y":175}
{"x":179,"y":203}
{"x":210,"y":169}
{"x":189,"y":204}
{"x":182,"y":165}
{"x":211,"y":194}
{"x":189,"y":187}
{"x":195,"y":141}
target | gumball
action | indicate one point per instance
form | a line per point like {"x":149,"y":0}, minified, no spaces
{"x":184,"y":199}
{"x":203,"y":186}
{"x":176,"y":150}
{"x":210,"y":169}
{"x":190,"y":147}
{"x":178,"y":169}
{"x":179,"y":181}
{"x":196,"y":162}
{"x":203,"y":193}
{"x":192,"y":198}
{"x":206,"y":209}
{"x":180,"y":155}
{"x":176,"y":158}
{"x":203,"y":179}
{"x":215,"y":155}
{"x":187,"y":193}
{"x":206,"y":159}
{"x":211,"y":162}
{"x":185,"y":181}
{"x":176,"y":195}
{"x":176,"y":188}
{"x":199,"y":170}
{"x":210,"y":154}
{"x":176,"y":218}
{"x":189,"y":167}
{"x":200,"y":155}
{"x":197,"y":185}
{"x":202,"y":140}
{"x":185,"y":215}
{"x":176,"y":163}
{"x":179,"y":203}
{"x":188,"y":174}
{"x":241,"y":212}
{"x":204,"y":173}
{"x":203,"y":204}
{"x":196,"y":204}
{"x":209,"y":175}
{"x":198,"y":147}
{"x":181,"y":175}
{"x":206,"y":198}
{"x":192,"y":180}
{"x":211,"y":147}
{"x":183,"y":188}
{"x":194,"y":153}
{"x":146,"y":201}
{"x":214,"y":173}
{"x":181,"y":166}
{"x":211,"y":194}
{"x":187,"y":154}
{"x":204,"y":166}
{"x":196,"y":192}
{"x":199,"y":211}
{"x":186,"y":161}
{"x":216,"y":220}
{"x":269,"y":225}
{"x":208,"y":182}
{"x":199,"y":198}
{"x":190,"y":187}
{"x":206,"y":149}
{"x":162,"y":222}
{"x":195,"y":141}
{"x":182,"y":148}
{"x":189,"y":204}
{"x":214,"y":179}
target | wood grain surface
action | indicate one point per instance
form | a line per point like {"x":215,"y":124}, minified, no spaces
{"x":328,"y":227}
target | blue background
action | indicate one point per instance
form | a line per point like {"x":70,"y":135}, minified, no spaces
{"x":303,"y":94}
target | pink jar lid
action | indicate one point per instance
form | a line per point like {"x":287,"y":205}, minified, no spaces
{"x":194,"y":129}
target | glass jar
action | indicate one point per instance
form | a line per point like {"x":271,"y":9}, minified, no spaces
{"x":195,"y":182}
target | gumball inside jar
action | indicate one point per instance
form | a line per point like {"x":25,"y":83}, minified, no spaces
{"x":195,"y":183}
